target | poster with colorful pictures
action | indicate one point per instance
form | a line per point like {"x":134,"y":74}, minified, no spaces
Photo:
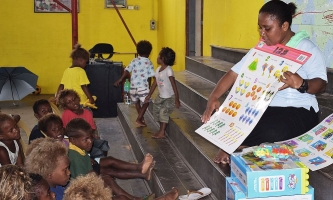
{"x":254,"y":89}
{"x":315,"y":147}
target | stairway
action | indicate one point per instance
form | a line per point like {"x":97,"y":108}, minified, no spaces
{"x":185,"y":159}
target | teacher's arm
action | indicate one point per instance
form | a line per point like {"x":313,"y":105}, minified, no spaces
{"x":222,"y":86}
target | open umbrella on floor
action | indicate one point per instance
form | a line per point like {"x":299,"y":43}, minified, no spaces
{"x":16,"y":83}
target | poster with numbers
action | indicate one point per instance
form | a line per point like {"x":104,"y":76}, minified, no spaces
{"x":254,"y":89}
{"x":315,"y":147}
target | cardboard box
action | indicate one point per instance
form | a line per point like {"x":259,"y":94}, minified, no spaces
{"x":263,"y":181}
{"x":234,"y":192}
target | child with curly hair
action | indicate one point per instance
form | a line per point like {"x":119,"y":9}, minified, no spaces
{"x":49,"y":158}
{"x":91,"y":186}
{"x":41,"y":108}
{"x":75,"y":76}
{"x":142,"y":69}
{"x":85,"y":187}
{"x":69,"y":100}
{"x":51,"y":126}
{"x":40,"y":189}
{"x":80,"y":137}
{"x":10,"y":151}
{"x":15,"y":183}
{"x":168,"y":97}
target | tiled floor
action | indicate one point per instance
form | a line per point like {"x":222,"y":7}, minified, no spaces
{"x":108,"y":128}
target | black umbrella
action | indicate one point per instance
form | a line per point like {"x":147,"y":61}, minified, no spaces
{"x":16,"y":83}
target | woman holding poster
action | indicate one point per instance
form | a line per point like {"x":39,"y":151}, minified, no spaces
{"x":293,"y":110}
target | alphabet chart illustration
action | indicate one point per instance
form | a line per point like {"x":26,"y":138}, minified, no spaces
{"x":315,"y":147}
{"x":252,"y":92}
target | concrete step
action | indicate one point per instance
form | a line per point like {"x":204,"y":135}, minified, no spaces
{"x":170,"y":170}
{"x":194,"y":90}
{"x":197,"y":151}
{"x":212,"y":69}
{"x":228,"y":54}
{"x":110,"y":130}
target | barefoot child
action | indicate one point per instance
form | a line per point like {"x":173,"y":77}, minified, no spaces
{"x":40,"y":189}
{"x":70,"y":101}
{"x":48,"y":157}
{"x":168,"y":96}
{"x":41,"y":107}
{"x":75,"y":76}
{"x":142,"y":69}
{"x":80,"y":138}
{"x":10,"y":152}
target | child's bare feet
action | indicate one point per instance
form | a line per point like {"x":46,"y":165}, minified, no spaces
{"x":222,"y":157}
{"x":159,"y":135}
{"x":140,"y":122}
{"x":171,"y":195}
{"x":148,"y":173}
{"x":145,"y":164}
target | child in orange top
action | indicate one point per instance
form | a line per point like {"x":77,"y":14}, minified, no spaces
{"x":10,"y":152}
{"x":75,"y":77}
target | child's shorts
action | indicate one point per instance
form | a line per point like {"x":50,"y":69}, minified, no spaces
{"x":139,"y":94}
{"x":163,"y":108}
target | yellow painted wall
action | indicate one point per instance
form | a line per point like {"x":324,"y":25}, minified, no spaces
{"x":230,"y":23}
{"x":42,"y":41}
{"x":172,"y":30}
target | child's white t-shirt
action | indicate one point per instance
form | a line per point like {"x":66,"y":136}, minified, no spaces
{"x":12,"y":156}
{"x":163,"y":82}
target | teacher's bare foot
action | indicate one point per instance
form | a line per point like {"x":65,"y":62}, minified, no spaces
{"x":158,"y":135}
{"x":222,"y":157}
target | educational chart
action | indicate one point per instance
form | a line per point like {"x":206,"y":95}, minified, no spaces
{"x":255,"y":87}
{"x":315,"y":147}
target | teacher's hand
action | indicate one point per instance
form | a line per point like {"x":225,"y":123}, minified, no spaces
{"x":292,"y":80}
{"x":213,"y":104}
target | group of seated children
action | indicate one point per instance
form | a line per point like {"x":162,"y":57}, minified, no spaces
{"x":52,"y":160}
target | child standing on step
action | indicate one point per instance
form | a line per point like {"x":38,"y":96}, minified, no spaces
{"x":75,"y":76}
{"x":10,"y":152}
{"x":168,"y":97}
{"x":142,"y":69}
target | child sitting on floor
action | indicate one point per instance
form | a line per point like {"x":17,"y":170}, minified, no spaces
{"x":10,"y":152}
{"x":48,"y":157}
{"x":80,"y":137}
{"x":15,"y":183}
{"x":40,"y":189}
{"x":86,"y":187}
{"x":91,"y":186}
{"x":51,"y":126}
{"x":70,"y":101}
{"x":168,"y":97}
{"x":41,"y":107}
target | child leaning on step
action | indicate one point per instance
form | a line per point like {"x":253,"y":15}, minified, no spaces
{"x":168,"y":97}
{"x":80,"y":137}
{"x":75,"y":76}
{"x":142,"y":69}
{"x":10,"y":151}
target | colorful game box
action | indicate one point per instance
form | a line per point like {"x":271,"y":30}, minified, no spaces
{"x":267,"y":178}
{"x":234,"y":192}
